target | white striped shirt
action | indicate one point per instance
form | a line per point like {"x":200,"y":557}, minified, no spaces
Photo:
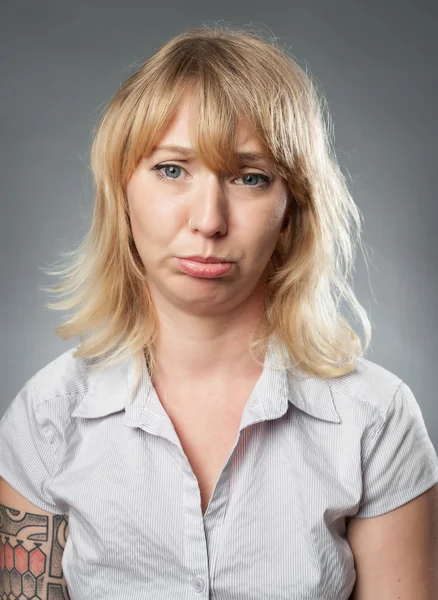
{"x":309,"y":455}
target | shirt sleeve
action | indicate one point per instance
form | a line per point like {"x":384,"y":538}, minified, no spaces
{"x":28,"y":451}
{"x":400,"y":460}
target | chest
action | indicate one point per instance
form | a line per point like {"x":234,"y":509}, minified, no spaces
{"x":207,"y":435}
{"x":207,"y":424}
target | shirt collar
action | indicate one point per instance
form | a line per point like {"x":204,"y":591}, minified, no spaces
{"x":112,"y":388}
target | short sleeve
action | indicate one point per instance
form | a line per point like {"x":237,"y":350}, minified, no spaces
{"x":400,"y":461}
{"x":28,"y":455}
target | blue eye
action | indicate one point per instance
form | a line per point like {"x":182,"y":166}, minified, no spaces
{"x":266,"y":181}
{"x":265,"y":178}
{"x":158,"y":169}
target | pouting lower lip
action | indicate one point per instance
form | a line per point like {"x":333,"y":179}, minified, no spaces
{"x":207,"y":270}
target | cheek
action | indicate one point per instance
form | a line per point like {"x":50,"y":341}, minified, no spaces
{"x":146,"y":211}
{"x":139,"y":216}
{"x":274,"y":218}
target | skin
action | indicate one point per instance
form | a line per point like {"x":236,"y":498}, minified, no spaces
{"x":396,"y":554}
{"x":205,"y":324}
{"x":42,"y":537}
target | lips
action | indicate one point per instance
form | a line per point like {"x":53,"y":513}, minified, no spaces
{"x":206,"y":260}
{"x":207,"y":270}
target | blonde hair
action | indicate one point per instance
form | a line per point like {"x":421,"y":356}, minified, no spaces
{"x":236,"y":73}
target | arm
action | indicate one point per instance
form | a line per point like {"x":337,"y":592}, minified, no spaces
{"x":396,"y":553}
{"x":41,"y":536}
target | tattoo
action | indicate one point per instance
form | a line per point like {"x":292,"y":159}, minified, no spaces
{"x":31,"y":549}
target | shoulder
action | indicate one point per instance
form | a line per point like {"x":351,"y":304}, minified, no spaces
{"x":38,"y":420}
{"x":370,"y":388}
{"x":64,"y":376}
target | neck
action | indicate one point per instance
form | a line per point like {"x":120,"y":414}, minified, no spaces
{"x":218,"y":351}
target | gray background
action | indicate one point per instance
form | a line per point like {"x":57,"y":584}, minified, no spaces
{"x":376,"y":63}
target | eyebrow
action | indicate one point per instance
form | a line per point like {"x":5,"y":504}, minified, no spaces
{"x":185,"y":151}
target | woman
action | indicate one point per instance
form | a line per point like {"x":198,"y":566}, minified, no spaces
{"x":218,"y":430}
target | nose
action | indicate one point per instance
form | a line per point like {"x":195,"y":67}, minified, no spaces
{"x":208,"y":208}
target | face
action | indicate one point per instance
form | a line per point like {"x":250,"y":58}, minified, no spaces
{"x":236,"y":219}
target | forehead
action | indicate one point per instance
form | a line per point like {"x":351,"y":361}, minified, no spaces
{"x":181,"y":130}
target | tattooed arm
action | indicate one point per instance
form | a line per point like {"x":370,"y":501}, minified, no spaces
{"x":32,"y":542}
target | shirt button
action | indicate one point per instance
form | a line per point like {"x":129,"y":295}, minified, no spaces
{"x":198,"y":584}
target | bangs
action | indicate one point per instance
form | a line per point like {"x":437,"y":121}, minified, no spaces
{"x":222,"y":100}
